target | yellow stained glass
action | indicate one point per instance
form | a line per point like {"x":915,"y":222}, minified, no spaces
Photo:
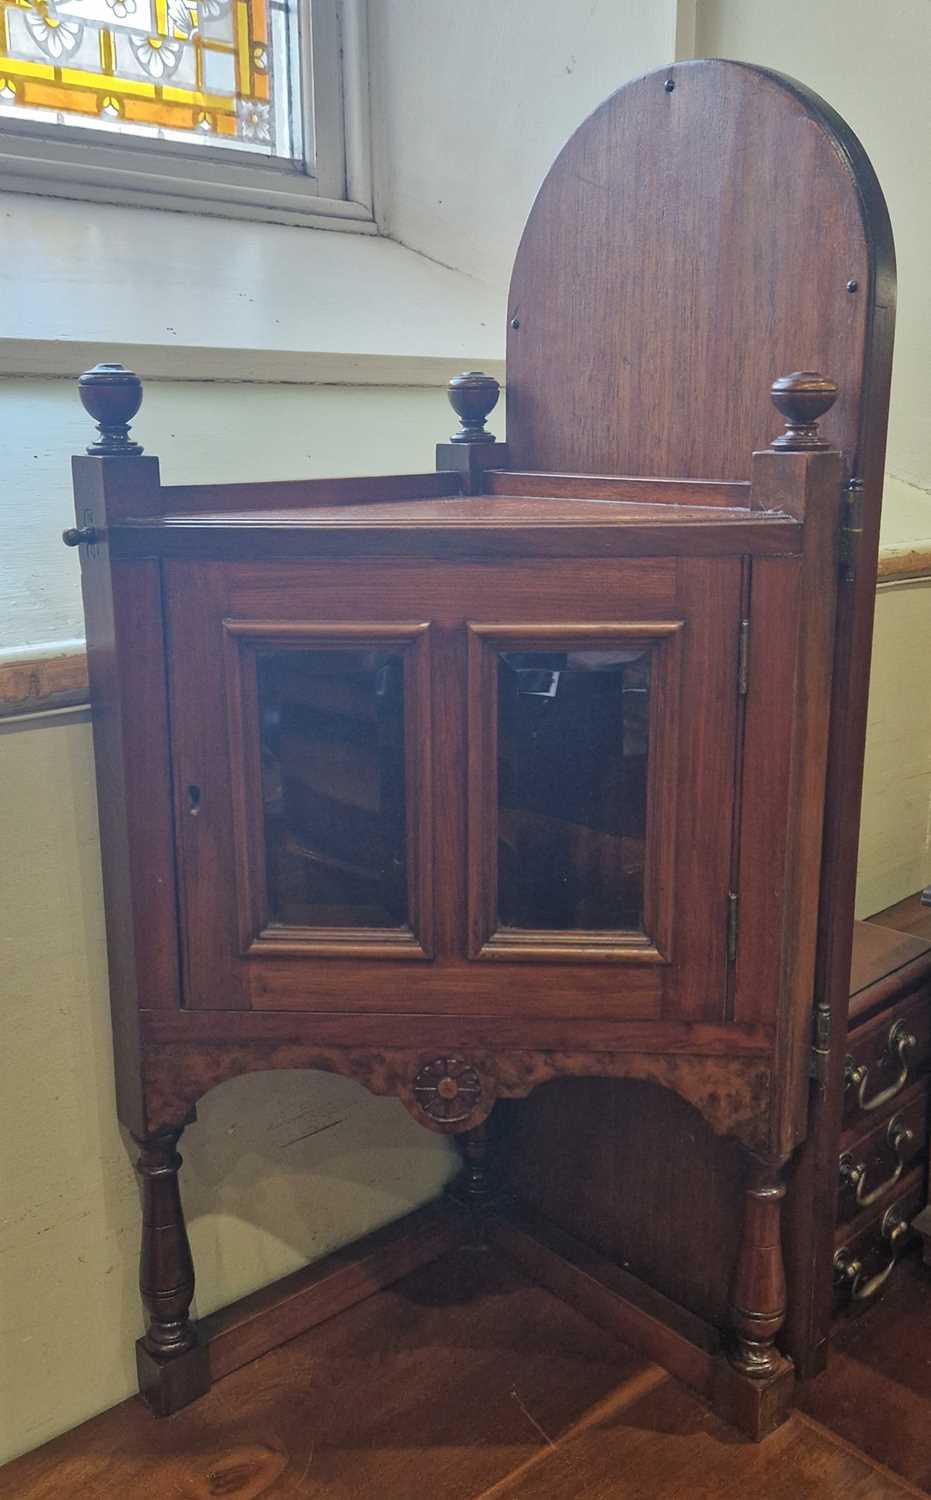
{"x":221,"y":72}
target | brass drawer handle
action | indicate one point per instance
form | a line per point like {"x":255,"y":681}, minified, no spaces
{"x":853,"y":1174}
{"x":849,"y":1271}
{"x":856,"y":1075}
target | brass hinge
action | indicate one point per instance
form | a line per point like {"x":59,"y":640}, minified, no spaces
{"x":821,"y":1044}
{"x":733,"y":902}
{"x":851,"y":529}
{"x":743,"y":658}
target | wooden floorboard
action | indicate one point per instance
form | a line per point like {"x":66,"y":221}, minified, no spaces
{"x":669,"y":1446}
{"x":438,"y":1387}
{"x":462,"y":1382}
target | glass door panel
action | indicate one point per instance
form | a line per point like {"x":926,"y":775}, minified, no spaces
{"x":332,"y":787}
{"x":333,"y":795}
{"x":573,"y":789}
{"x":573,"y":744}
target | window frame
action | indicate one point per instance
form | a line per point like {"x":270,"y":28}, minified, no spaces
{"x":333,"y":191}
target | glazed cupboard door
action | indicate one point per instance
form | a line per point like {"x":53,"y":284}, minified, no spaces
{"x":456,"y":789}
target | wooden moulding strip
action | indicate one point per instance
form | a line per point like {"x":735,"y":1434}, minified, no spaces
{"x":274,"y":1315}
{"x":904,"y":562}
{"x":610,"y":1297}
{"x":38,"y":684}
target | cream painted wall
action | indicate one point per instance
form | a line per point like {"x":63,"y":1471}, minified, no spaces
{"x":895,"y":829}
{"x":279,"y":1169}
{"x":870,"y":63}
{"x":199,"y":432}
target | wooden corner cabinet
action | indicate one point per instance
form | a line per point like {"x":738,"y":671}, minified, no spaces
{"x":545,"y":765}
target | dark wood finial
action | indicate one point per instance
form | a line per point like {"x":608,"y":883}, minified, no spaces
{"x":802,"y":398}
{"x":112,"y":395}
{"x":472,"y":396}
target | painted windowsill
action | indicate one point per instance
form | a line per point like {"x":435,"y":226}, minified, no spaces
{"x":189,"y":297}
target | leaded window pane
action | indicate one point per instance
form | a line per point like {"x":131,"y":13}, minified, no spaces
{"x":206,"y":72}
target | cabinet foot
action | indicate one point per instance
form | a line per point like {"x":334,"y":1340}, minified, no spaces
{"x":166,"y":1384}
{"x":754,"y":1388}
{"x":755,"y":1406}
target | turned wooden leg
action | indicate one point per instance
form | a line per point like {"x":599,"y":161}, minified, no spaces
{"x":754,"y":1387}
{"x":172,"y":1365}
{"x":758,"y":1294}
{"x":477,"y":1182}
{"x":478,"y":1185}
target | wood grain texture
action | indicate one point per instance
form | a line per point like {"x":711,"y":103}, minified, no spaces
{"x":43,"y":682}
{"x":126,"y":669}
{"x":465,"y":1383}
{"x":688,"y":397}
{"x":472,"y":529}
{"x":696,"y":493}
{"x":613,"y":1163}
{"x":697,"y":600}
{"x":881,"y":950}
{"x":177,"y":499}
{"x":911,"y":916}
{"x":904,"y":562}
{"x":876,"y":1393}
{"x":725,"y":1090}
{"x":442,"y":1385}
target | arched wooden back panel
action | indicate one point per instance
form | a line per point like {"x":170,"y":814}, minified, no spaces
{"x":711,"y":227}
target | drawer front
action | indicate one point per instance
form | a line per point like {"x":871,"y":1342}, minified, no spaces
{"x":873,"y":1162}
{"x":865,"y":1258}
{"x":885,"y":1056}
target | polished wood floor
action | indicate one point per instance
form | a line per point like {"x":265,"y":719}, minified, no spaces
{"x":876,"y":1392}
{"x":463,"y":1382}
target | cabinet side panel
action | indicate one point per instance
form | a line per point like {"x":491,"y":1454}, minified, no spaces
{"x":762,"y":868}
{"x":126,"y":668}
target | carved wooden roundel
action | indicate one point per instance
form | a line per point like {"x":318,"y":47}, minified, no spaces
{"x":448,"y":1089}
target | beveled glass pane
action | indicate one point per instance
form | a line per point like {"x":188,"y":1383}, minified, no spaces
{"x":201,"y":72}
{"x":332,"y":739}
{"x":572,"y":780}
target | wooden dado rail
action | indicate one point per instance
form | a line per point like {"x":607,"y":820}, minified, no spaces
{"x":44,"y":683}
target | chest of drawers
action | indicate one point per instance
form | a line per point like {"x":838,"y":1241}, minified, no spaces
{"x":883,"y":1157}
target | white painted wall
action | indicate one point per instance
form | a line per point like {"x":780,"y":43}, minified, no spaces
{"x":472,"y":103}
{"x":191,"y":297}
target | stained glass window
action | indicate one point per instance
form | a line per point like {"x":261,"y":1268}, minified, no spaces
{"x":212,"y":72}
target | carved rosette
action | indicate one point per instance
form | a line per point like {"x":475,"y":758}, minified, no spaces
{"x":448,"y":1090}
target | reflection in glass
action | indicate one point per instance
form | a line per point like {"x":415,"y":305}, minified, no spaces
{"x":332,"y":737}
{"x":572,"y":779}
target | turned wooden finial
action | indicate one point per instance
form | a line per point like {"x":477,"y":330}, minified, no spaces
{"x":802,"y":398}
{"x":472,"y":396}
{"x":112,"y":395}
